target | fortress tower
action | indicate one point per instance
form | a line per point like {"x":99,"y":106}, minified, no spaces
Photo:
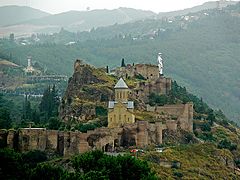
{"x":120,"y":111}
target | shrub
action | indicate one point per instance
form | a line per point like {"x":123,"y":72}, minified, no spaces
{"x":120,"y":167}
{"x":207,"y":136}
{"x":237,"y":162}
{"x":101,"y":111}
{"x":11,"y":165}
{"x":34,"y":157}
{"x":48,"y":172}
{"x":206,"y":127}
{"x":226,"y":144}
{"x":54,"y":123}
{"x":178,"y":174}
{"x":189,"y":138}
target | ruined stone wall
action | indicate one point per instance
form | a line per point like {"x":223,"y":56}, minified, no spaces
{"x":175,"y":110}
{"x":125,"y":72}
{"x":3,"y":138}
{"x":171,"y":125}
{"x":32,"y":139}
{"x":179,"y":113}
{"x":163,"y":85}
{"x":140,"y":134}
{"x":148,"y":71}
{"x":160,"y":86}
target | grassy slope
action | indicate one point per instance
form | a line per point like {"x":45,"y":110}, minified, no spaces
{"x":197,"y":161}
{"x":200,"y":161}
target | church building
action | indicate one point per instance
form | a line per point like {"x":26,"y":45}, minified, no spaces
{"x":120,"y":111}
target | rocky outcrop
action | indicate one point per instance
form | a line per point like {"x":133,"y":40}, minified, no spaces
{"x":87,"y":88}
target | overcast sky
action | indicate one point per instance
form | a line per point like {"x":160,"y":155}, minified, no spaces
{"x":57,"y":6}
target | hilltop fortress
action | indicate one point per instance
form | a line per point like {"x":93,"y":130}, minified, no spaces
{"x":89,"y":88}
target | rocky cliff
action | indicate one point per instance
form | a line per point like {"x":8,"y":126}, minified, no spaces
{"x":87,"y":89}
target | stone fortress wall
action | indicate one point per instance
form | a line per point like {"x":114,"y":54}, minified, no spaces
{"x":155,"y":83}
{"x":139,"y":134}
{"x":175,"y":114}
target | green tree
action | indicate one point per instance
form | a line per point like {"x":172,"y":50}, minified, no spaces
{"x":48,"y":172}
{"x":11,"y":165}
{"x":5,"y":120}
{"x":49,"y":103}
{"x":27,"y":110}
{"x":226,"y":144}
{"x":120,"y":167}
{"x":54,"y":123}
{"x":123,"y":63}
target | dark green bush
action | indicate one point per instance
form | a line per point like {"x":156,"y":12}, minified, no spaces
{"x":120,"y":167}
{"x":178,"y":174}
{"x":101,"y":111}
{"x":34,"y":157}
{"x":48,"y":172}
{"x":226,"y":144}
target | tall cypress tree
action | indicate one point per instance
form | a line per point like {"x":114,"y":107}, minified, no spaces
{"x":49,"y":103}
{"x":44,"y":106}
{"x":27,"y":110}
{"x":123,"y":63}
{"x":55,"y":101}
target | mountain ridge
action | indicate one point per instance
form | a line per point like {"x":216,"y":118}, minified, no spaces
{"x":24,"y":13}
{"x":77,"y":21}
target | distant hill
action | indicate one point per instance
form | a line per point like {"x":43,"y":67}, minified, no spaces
{"x":86,"y":20}
{"x":30,"y":20}
{"x":10,"y":15}
{"x":204,"y":6}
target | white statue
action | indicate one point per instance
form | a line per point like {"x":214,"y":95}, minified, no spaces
{"x":160,"y":64}
{"x":29,"y":62}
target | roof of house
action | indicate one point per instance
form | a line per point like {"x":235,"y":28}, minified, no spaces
{"x":121,"y":84}
{"x":128,"y":104}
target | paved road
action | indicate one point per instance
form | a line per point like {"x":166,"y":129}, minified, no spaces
{"x":114,"y":153}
